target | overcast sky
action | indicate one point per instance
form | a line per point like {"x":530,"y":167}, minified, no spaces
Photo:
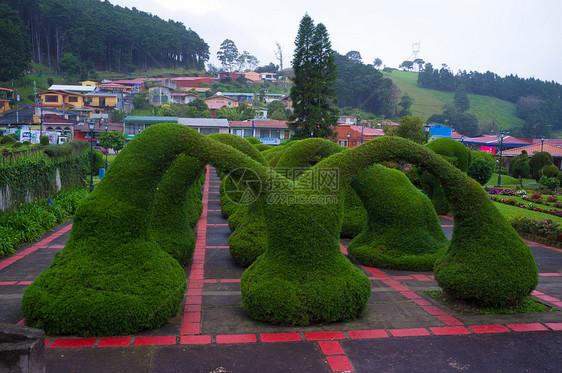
{"x":522,"y":37}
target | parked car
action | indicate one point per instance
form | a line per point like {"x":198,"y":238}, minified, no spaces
{"x":101,"y":149}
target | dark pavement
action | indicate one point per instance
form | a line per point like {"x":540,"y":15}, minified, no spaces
{"x":403,"y":329}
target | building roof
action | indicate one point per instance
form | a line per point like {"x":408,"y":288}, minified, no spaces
{"x":260,"y":123}
{"x":129,"y":81}
{"x":203,"y":122}
{"x":51,"y":119}
{"x":72,"y":88}
{"x":185,"y":94}
{"x":554,"y":150}
{"x":215,"y":105}
{"x":490,"y":140}
{"x":146,"y":119}
{"x":368,"y":131}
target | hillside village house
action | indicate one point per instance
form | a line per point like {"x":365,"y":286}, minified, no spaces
{"x":183,"y":98}
{"x":87,"y":83}
{"x":5,"y":95}
{"x":135,"y":124}
{"x":136,"y":85}
{"x":351,"y":136}
{"x":206,"y":126}
{"x":252,"y":76}
{"x":187,"y":83}
{"x":267,"y":131}
{"x":242,"y":97}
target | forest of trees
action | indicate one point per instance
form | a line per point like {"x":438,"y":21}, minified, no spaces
{"x":537,"y":102}
{"x":364,"y":87}
{"x":107,"y":37}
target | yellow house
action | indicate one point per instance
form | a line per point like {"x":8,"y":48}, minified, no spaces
{"x":222,"y":100}
{"x":101,"y":100}
{"x":87,"y":83}
{"x":52,"y":99}
{"x":252,"y":75}
{"x":4,"y":101}
{"x":61,"y":98}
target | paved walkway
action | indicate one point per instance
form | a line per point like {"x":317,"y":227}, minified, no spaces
{"x":403,"y":330}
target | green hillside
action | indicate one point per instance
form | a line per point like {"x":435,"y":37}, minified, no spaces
{"x":428,"y":102}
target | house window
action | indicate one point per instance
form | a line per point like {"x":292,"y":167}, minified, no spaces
{"x":72,"y":99}
{"x":238,"y":132}
{"x":51,"y":98}
{"x":132,"y":128}
{"x":102,"y":102}
{"x":275,"y":134}
{"x":247,"y":132}
{"x":264,"y":133}
{"x":208,"y":131}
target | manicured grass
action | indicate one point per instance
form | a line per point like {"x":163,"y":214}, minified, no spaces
{"x":507,"y":181}
{"x":428,"y":102}
{"x":510,"y":211}
{"x":524,"y":305}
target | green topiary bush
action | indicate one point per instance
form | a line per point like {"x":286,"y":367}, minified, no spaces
{"x":549,"y":171}
{"x":453,"y":152}
{"x":520,"y":166}
{"x":253,"y":140}
{"x":487,"y":262}
{"x":481,"y":166}
{"x":247,"y":242}
{"x":355,"y":214}
{"x":537,"y":162}
{"x":44,"y":140}
{"x":402,"y":231}
{"x":170,"y":223}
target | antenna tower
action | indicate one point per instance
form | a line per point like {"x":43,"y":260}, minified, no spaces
{"x":415,"y":51}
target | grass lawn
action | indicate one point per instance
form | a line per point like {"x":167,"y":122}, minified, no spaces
{"x":428,"y":102}
{"x":507,"y":181}
{"x":510,"y":211}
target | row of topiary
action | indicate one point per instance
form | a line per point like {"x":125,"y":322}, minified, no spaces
{"x":118,"y":280}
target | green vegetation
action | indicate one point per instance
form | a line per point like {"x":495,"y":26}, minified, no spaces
{"x":30,"y":221}
{"x":402,"y":231}
{"x":524,"y":305}
{"x":428,"y":102}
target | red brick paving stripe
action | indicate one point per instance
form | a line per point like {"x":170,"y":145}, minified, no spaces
{"x":192,"y":308}
{"x":421,"y":277}
{"x":73,"y":343}
{"x":421,"y":302}
{"x":557,"y":304}
{"x":318,"y":336}
{"x":550,"y":274}
{"x":410,"y":295}
{"x":190,"y":328}
{"x":115,"y":342}
{"x":547,"y":298}
{"x":196,"y":284}
{"x":375,"y":271}
{"x":196,"y":277}
{"x":237,"y":338}
{"x":195,"y":340}
{"x":400,"y":288}
{"x":21,"y":322}
{"x":446,"y":217}
{"x":196,"y":299}
{"x":434,"y":310}
{"x":25,"y":282}
{"x":194,"y":292}
{"x":155,"y":341}
{"x":339,"y":363}
{"x":6,"y":283}
{"x":449,"y":320}
{"x":47,"y":342}
{"x":192,"y":317}
{"x":331,"y":348}
{"x":413,"y":332}
{"x":56,"y":246}
{"x":402,"y":277}
{"x":533,"y":327}
{"x":488,"y":329}
{"x":554,"y":325}
{"x":449,"y":330}
{"x":363,"y":334}
{"x":280,"y":337}
{"x":210,"y":281}
{"x":230,"y":280}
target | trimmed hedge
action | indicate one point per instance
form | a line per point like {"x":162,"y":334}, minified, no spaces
{"x":170,"y":225}
{"x":112,"y":278}
{"x":487,"y":262}
{"x":403,"y":231}
{"x":456,"y":154}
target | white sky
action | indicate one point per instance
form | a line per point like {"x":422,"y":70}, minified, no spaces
{"x":522,"y":37}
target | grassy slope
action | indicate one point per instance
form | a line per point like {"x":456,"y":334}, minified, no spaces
{"x":508,"y":211}
{"x":428,"y":102}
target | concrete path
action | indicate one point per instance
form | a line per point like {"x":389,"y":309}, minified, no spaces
{"x":403,"y":329}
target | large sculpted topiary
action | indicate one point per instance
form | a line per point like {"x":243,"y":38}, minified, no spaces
{"x":402,"y":231}
{"x":176,"y":199}
{"x":112,"y":277}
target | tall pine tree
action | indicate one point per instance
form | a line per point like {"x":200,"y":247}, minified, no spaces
{"x":313,"y":92}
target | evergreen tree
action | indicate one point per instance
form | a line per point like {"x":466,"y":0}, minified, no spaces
{"x":314,"y":84}
{"x":14,"y":44}
{"x":462,"y":103}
